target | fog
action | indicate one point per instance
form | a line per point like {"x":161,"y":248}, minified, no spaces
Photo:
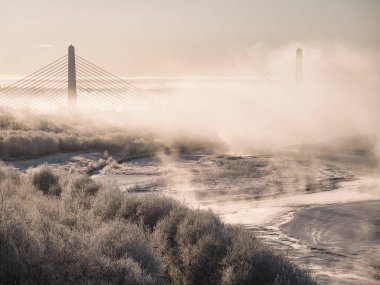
{"x":338,"y":97}
{"x":256,"y":105}
{"x":258,"y":113}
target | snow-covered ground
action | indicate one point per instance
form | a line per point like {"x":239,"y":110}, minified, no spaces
{"x":321,"y":213}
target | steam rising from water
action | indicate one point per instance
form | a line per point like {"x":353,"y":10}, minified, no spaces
{"x":339,"y":97}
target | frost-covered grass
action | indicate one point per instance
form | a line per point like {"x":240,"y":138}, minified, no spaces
{"x":28,"y":135}
{"x":237,"y":167}
{"x":31,"y":135}
{"x":65,"y":228}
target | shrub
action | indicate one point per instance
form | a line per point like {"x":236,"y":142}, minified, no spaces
{"x":202,"y":243}
{"x":146,"y":210}
{"x":107,"y":202}
{"x":192,"y":246}
{"x":118,"y":239}
{"x":80,"y":188}
{"x":95,"y":234}
{"x":45,"y":180}
{"x":250,"y":262}
{"x":9,"y":175}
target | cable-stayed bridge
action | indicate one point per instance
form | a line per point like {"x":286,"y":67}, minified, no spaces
{"x":73,"y":81}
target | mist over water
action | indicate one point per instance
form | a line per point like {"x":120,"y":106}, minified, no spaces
{"x":295,"y":145}
{"x":190,"y":142}
{"x":338,"y":97}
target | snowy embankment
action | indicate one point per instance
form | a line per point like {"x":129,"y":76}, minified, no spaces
{"x":312,"y":208}
{"x":62,"y":227}
{"x":274,"y":196}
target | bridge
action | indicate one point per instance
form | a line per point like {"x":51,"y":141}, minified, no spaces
{"x":73,"y":81}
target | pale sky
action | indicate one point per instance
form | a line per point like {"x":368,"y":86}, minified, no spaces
{"x":173,"y":37}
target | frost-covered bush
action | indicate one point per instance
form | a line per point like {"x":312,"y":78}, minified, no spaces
{"x":108,"y":202}
{"x":146,"y":212}
{"x":197,"y":248}
{"x":119,"y":238}
{"x":44,"y":179}
{"x":45,"y":240}
{"x":248,"y":262}
{"x":192,"y":245}
{"x":80,"y":188}
{"x":96,"y":234}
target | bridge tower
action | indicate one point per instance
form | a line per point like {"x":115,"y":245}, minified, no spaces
{"x":72,"y":79}
{"x":299,"y":64}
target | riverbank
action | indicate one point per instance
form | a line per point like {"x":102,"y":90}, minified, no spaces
{"x":263,"y":193}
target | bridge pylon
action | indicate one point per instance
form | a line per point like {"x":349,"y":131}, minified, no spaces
{"x":299,"y":64}
{"x":72,"y":79}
